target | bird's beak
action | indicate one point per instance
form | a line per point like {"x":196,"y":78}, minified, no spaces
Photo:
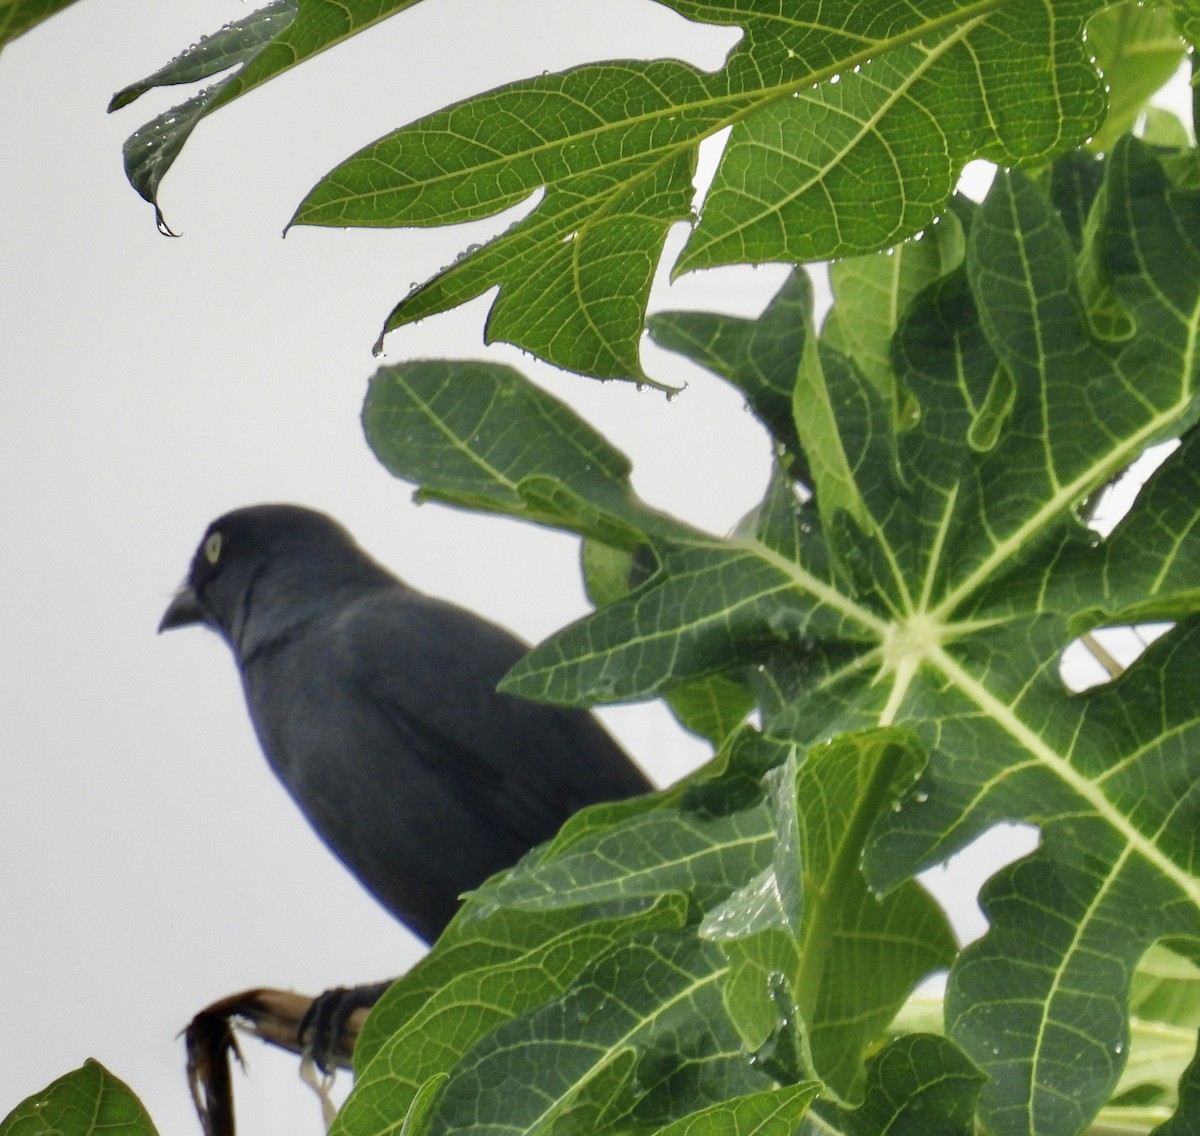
{"x":183,"y":610}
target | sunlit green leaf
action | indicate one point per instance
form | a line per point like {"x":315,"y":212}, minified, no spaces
{"x":848,"y":134}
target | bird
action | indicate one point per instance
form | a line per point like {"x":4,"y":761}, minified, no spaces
{"x":376,"y":705}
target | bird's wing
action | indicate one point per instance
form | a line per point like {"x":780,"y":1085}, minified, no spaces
{"x":433,"y":668}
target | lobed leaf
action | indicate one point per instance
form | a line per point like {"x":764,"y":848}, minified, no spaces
{"x":264,"y":44}
{"x":848,"y":133}
{"x":899,"y":617}
{"x":953,"y":573}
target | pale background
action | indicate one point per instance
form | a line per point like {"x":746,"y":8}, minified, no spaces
{"x":149,"y":863}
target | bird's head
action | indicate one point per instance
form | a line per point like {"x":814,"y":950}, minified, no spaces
{"x":275,"y":563}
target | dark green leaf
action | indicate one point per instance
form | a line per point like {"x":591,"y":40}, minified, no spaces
{"x":664,"y":849}
{"x":1043,"y":997}
{"x":824,"y":807}
{"x":262,"y":45}
{"x":918,"y":1086}
{"x":18,"y":16}
{"x":479,"y":976}
{"x":855,"y":126}
{"x":871,"y":293}
{"x":235,"y":44}
{"x":640,"y":1039}
{"x":89,"y":1101}
{"x":481,"y":435}
{"x":714,"y":605}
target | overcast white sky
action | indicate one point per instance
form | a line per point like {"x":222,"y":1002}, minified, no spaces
{"x":150,"y":864}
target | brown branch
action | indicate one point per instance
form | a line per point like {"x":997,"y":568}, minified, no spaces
{"x":274,"y":1016}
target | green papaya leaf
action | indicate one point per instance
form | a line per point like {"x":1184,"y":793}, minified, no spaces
{"x":855,"y":125}
{"x":773,"y":1112}
{"x":262,"y":45}
{"x":481,"y":436}
{"x":676,"y":842}
{"x":712,"y":707}
{"x":919,"y":1085}
{"x":940,"y":588}
{"x":858,"y":124}
{"x":89,"y":1101}
{"x":433,"y":1016}
{"x":915,"y":597}
{"x":18,"y":16}
{"x":638,"y":1041}
{"x":1138,"y":49}
{"x":871,"y":293}
{"x":824,"y":807}
{"x":235,"y":44}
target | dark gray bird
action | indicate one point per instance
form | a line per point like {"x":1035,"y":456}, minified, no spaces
{"x":377,"y":707}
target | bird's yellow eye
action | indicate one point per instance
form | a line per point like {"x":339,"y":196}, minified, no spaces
{"x":212,"y":547}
